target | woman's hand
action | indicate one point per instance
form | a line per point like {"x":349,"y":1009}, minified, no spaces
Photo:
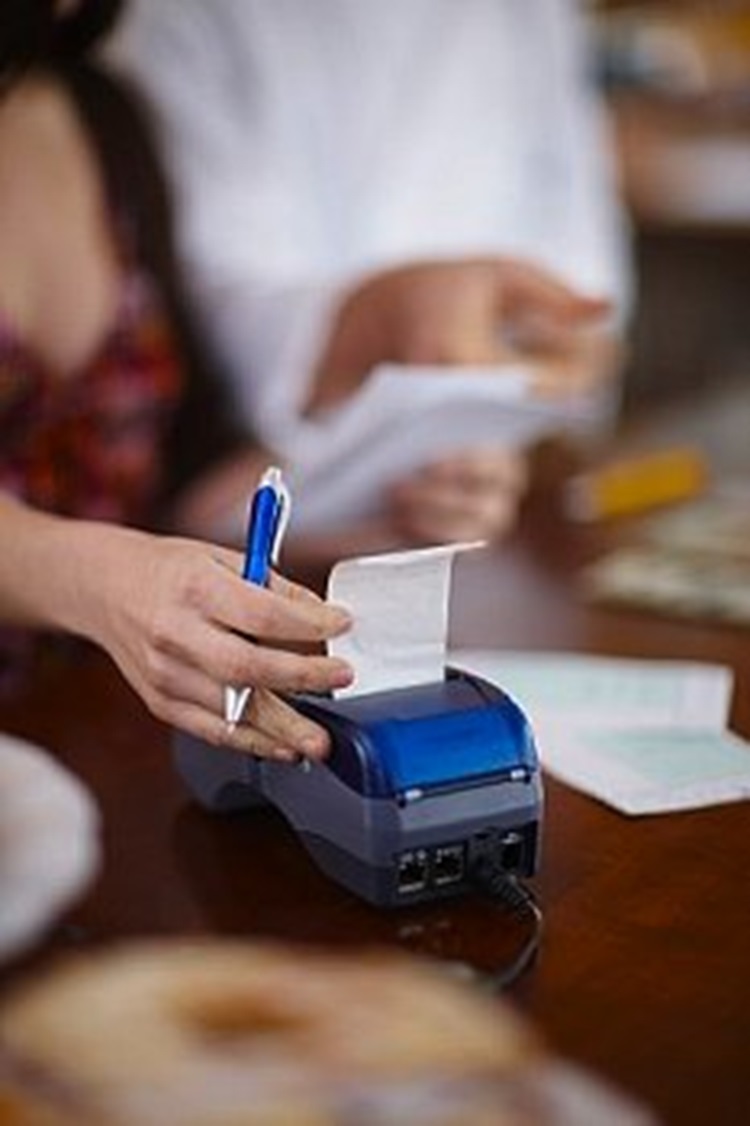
{"x":179,"y":621}
{"x":181,"y":624}
{"x":472,"y":496}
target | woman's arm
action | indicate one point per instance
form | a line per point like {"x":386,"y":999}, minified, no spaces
{"x":176,"y":617}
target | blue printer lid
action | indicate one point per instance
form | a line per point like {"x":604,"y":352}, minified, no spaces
{"x":432,"y":736}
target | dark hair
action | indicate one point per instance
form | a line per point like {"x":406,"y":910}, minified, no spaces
{"x":34,"y":35}
{"x":119,"y":124}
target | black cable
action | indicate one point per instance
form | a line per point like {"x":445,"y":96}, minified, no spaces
{"x":507,"y":890}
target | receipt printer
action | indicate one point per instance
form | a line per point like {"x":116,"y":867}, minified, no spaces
{"x":421,"y":784}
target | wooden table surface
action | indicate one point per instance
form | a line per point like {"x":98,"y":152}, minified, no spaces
{"x":644,"y":973}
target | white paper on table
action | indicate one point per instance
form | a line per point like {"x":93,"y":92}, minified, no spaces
{"x":399,"y":602}
{"x":641,"y":771}
{"x":402,"y":419}
{"x":644,"y":736}
{"x":572,"y":690}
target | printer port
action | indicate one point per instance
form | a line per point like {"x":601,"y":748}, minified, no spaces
{"x":509,"y":850}
{"x":412,"y":871}
{"x":448,"y":865}
{"x":512,"y":852}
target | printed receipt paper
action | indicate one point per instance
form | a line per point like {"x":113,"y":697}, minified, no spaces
{"x":399,"y":603}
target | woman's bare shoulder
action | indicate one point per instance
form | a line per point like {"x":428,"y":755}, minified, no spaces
{"x":40,"y":183}
{"x":37,"y":110}
{"x":50,"y":192}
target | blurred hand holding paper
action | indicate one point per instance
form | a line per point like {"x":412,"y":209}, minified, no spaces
{"x":404,"y":418}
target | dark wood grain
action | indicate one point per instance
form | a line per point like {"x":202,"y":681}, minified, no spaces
{"x":644,"y":974}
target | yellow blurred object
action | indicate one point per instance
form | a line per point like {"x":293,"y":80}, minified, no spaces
{"x":636,"y":484}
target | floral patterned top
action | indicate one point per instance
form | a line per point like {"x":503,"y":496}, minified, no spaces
{"x":88,"y":444}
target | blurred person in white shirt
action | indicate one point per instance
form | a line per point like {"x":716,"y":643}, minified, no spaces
{"x":398,"y":181}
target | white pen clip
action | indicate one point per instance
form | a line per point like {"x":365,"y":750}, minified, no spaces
{"x":284,"y":499}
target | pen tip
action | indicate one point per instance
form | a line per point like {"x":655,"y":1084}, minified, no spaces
{"x":272,"y":477}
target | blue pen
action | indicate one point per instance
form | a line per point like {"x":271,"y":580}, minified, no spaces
{"x":266,"y":516}
{"x":267,"y":523}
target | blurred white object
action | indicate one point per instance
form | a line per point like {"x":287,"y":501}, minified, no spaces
{"x":402,"y":419}
{"x":49,"y":842}
{"x":311,"y":144}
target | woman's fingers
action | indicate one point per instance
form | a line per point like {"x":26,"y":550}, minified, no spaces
{"x":276,"y":724}
{"x":280,"y":614}
{"x":239,"y":661}
{"x":293,"y":591}
{"x":229,"y":658}
{"x":186,"y":697}
{"x":277,"y":582}
{"x":278,"y":732}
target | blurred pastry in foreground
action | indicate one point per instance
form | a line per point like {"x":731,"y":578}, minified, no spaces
{"x":225,"y":1033}
{"x":239,"y":1034}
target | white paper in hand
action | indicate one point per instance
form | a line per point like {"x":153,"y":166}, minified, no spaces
{"x":404,"y":418}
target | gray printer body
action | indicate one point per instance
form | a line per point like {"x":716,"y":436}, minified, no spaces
{"x":421,"y":783}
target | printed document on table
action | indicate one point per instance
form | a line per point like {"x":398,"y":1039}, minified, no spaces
{"x":658,"y":771}
{"x":402,"y":419}
{"x":644,"y":736}
{"x":574,"y":690}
